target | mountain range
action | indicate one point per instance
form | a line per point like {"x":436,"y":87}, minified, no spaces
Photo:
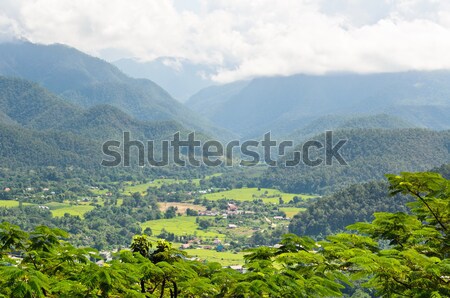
{"x":179,"y":77}
{"x":285,"y":104}
{"x":86,"y":81}
{"x":57,"y":106}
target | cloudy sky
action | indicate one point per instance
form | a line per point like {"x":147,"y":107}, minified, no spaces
{"x":244,"y":39}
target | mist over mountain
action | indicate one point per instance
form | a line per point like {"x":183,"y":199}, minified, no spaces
{"x":284,"y":104}
{"x":211,"y":100}
{"x":179,"y":77}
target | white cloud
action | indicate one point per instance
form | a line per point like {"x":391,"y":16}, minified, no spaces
{"x":243,"y":39}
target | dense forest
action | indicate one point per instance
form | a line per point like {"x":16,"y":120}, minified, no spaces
{"x":86,"y":81}
{"x":331,"y":214}
{"x":369,"y":154}
{"x":396,"y":255}
{"x":72,"y":228}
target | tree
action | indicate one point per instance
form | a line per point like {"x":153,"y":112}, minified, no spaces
{"x":148,"y":231}
{"x":415,"y":261}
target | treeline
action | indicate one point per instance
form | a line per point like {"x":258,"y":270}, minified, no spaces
{"x":105,"y":227}
{"x":396,"y":255}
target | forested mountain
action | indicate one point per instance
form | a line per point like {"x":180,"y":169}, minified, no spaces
{"x":38,"y":128}
{"x":27,"y":104}
{"x":331,"y":214}
{"x":370,"y":153}
{"x":283,"y":104}
{"x":209,"y":101}
{"x":181,"y":78}
{"x":334,"y":122}
{"x":87,"y":81}
{"x":22,"y":147}
{"x":30,"y":105}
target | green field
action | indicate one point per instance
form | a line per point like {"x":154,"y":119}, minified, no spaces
{"x":291,"y":211}
{"x":99,"y":192}
{"x":180,"y":225}
{"x":225,"y":258}
{"x":59,"y":209}
{"x":250,"y":194}
{"x":142,"y":188}
{"x":11,"y":203}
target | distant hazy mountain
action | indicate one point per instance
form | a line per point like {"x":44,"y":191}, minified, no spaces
{"x":179,"y":77}
{"x":87,"y":81}
{"x":284,"y":104}
{"x":209,"y":101}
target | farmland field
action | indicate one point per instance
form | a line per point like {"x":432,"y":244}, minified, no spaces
{"x":11,"y":203}
{"x":59,"y":209}
{"x":180,"y":225}
{"x":250,"y":194}
{"x":142,"y":188}
{"x":163,"y":206}
{"x":291,"y":211}
{"x":225,"y":258}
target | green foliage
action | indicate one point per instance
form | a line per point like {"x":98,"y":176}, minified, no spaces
{"x":414,"y":263}
{"x":369,"y":153}
{"x":331,"y":214}
{"x":87,"y":82}
{"x":396,"y":255}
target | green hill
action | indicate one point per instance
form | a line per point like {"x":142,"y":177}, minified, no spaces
{"x":370,"y":153}
{"x":331,"y":214}
{"x":22,"y":147}
{"x":86,"y":81}
{"x":38,"y":128}
{"x":334,"y":122}
{"x":283,"y":104}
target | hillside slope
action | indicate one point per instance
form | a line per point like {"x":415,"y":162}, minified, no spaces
{"x":37,"y":128}
{"x":369,"y":153}
{"x":87,"y":81}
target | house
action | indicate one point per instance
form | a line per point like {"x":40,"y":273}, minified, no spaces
{"x":239,"y":268}
{"x":232,"y":207}
{"x":185,"y":245}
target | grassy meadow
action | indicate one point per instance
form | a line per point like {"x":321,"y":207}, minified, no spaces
{"x":180,"y":225}
{"x":268,"y":195}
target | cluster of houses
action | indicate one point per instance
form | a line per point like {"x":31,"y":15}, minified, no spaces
{"x":232,"y":209}
{"x":197,"y":243}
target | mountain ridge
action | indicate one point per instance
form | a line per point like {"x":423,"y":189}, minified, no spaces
{"x":282,"y":104}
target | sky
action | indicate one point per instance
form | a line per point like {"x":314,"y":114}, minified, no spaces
{"x":245,"y":39}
